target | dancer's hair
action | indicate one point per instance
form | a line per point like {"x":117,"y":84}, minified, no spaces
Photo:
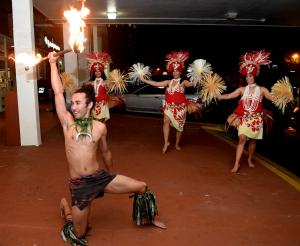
{"x":89,"y":92}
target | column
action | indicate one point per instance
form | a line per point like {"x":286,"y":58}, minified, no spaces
{"x":23,"y":30}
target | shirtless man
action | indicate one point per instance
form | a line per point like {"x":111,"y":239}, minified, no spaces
{"x":87,"y":181}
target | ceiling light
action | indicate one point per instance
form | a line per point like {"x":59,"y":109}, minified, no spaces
{"x":263,"y":19}
{"x":231,"y":15}
{"x":111,"y":15}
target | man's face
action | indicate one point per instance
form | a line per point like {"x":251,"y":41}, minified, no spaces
{"x":79,"y":107}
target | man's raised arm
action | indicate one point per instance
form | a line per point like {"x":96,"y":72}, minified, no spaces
{"x":58,"y":89}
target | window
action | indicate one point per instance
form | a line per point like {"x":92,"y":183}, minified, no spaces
{"x":148,"y":89}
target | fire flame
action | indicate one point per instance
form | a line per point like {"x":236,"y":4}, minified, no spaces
{"x":76,"y":22}
{"x":28,"y":60}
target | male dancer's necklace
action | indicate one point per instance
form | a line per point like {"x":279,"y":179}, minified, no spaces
{"x":85,"y":128}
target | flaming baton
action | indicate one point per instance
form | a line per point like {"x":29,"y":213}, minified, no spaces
{"x":76,"y":22}
{"x":76,"y":26}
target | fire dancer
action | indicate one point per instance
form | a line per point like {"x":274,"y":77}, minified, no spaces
{"x":87,"y":181}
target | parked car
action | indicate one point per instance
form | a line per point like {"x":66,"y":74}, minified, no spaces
{"x":148,"y":99}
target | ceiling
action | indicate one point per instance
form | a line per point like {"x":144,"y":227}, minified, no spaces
{"x":277,"y":13}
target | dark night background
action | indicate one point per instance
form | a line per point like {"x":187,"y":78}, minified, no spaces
{"x":221,"y":46}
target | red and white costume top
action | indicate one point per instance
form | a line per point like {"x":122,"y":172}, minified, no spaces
{"x":175,"y":105}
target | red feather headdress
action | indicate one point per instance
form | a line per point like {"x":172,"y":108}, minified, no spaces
{"x":175,"y":60}
{"x":250,"y":62}
{"x":98,"y":60}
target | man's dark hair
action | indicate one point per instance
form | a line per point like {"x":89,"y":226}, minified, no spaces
{"x":89,"y":92}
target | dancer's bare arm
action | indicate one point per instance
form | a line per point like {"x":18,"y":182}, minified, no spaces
{"x":187,"y":83}
{"x":58,"y":89}
{"x":266,"y":93}
{"x":155,"y":83}
{"x":236,"y":93}
{"x":89,"y":82}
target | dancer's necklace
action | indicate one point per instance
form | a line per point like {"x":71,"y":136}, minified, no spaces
{"x":251,"y":100}
{"x":85,"y":128}
{"x":252,"y":85}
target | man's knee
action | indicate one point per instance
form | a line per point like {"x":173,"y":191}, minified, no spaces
{"x":143,"y":187}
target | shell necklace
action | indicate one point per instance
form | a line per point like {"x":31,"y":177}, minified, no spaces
{"x":84,"y":128}
{"x":172,"y":88}
{"x":97,"y":83}
{"x":250,"y":101}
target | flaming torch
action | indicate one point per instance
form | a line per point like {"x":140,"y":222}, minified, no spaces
{"x":76,"y":26}
{"x":76,"y":20}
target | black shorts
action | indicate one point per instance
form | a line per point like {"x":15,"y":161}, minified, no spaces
{"x":87,"y":188}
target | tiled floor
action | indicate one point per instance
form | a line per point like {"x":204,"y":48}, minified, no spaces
{"x":198,"y":198}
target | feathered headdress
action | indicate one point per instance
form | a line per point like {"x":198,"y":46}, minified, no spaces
{"x":250,"y":62}
{"x":98,"y":60}
{"x":175,"y":60}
